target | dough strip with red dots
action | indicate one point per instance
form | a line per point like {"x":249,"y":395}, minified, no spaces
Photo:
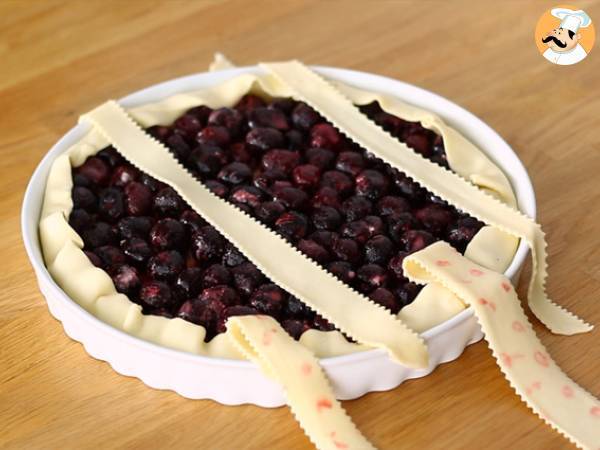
{"x":524,"y":361}
{"x":313,"y":89}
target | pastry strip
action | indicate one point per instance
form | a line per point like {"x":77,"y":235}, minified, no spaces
{"x":522,"y":358}
{"x":307,"y":390}
{"x":351,"y":312}
{"x":331,"y":103}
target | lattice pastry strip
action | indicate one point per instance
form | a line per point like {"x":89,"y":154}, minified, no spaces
{"x":524,"y":361}
{"x":311,"y":88}
{"x":351,"y":312}
{"x":307,"y":390}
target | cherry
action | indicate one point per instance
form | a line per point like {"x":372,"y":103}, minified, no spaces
{"x":304,"y":117}
{"x":189,"y":282}
{"x":213,"y":135}
{"x":246,"y":278}
{"x":280,"y":160}
{"x":372,"y":276}
{"x":156,"y":294}
{"x":215,"y":275}
{"x":326,"y":218}
{"x":415,"y":240}
{"x":137,"y":250}
{"x":268,"y":117}
{"x":95,"y":170}
{"x":356,"y":207}
{"x":229,"y":118}
{"x":188,"y":126}
{"x":207,"y":243}
{"x":127,"y":280}
{"x":138,"y":199}
{"x":320,"y":157}
{"x":292,"y":225}
{"x":350,"y":162}
{"x":248,"y":103}
{"x":268,"y":299}
{"x":110,"y":204}
{"x":386,"y":299}
{"x":324,"y":135}
{"x":372,"y":184}
{"x":179,"y":146}
{"x":379,"y":250}
{"x":123,"y":175}
{"x":291,"y":197}
{"x":84,"y":198}
{"x":235,"y":173}
{"x":247,"y":195}
{"x":265,"y":138}
{"x":224,"y":294}
{"x":166,"y":265}
{"x":167,"y":202}
{"x":99,"y":234}
{"x":306,"y":175}
{"x":343,"y":270}
{"x":339,"y":181}
{"x":313,"y":250}
{"x":346,"y":250}
{"x":167,"y":234}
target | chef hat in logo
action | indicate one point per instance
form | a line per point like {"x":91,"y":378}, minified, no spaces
{"x":572,"y":20}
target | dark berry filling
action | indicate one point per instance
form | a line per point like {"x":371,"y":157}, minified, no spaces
{"x":281,"y":162}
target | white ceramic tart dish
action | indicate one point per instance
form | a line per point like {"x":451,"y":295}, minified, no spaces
{"x":217,"y":375}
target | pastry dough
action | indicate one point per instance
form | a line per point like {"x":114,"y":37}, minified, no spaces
{"x":308,"y":86}
{"x":524,"y":361}
{"x":352,"y":313}
{"x":307,"y":390}
{"x":453,"y":280}
{"x":178,"y":334}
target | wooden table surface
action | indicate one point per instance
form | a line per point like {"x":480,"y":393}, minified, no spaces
{"x":59,"y":59}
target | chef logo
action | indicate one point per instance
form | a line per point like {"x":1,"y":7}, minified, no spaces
{"x":565,"y":35}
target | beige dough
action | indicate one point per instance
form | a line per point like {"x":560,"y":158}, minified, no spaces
{"x":82,"y":281}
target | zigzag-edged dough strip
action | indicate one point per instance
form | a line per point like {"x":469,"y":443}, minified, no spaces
{"x":307,"y":390}
{"x":351,"y":312}
{"x":526,"y":364}
{"x":335,"y":107}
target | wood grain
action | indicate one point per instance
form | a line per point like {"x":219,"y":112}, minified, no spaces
{"x":59,"y":59}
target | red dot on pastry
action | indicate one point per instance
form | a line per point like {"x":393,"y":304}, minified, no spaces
{"x":483,"y":301}
{"x":541,"y":359}
{"x":567,"y":391}
{"x":506,"y":359}
{"x":306,"y":369}
{"x":534,"y":386}
{"x":595,"y":411}
{"x":323,"y":403}
{"x":476,"y":272}
{"x":518,"y":326}
{"x":506,"y":286}
{"x":442,"y":263}
{"x":338,"y":444}
{"x":267,"y":338}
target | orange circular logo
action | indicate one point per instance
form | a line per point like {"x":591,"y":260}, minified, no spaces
{"x":565,"y":35}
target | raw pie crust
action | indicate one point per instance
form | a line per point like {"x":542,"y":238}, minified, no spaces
{"x":93,"y":289}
